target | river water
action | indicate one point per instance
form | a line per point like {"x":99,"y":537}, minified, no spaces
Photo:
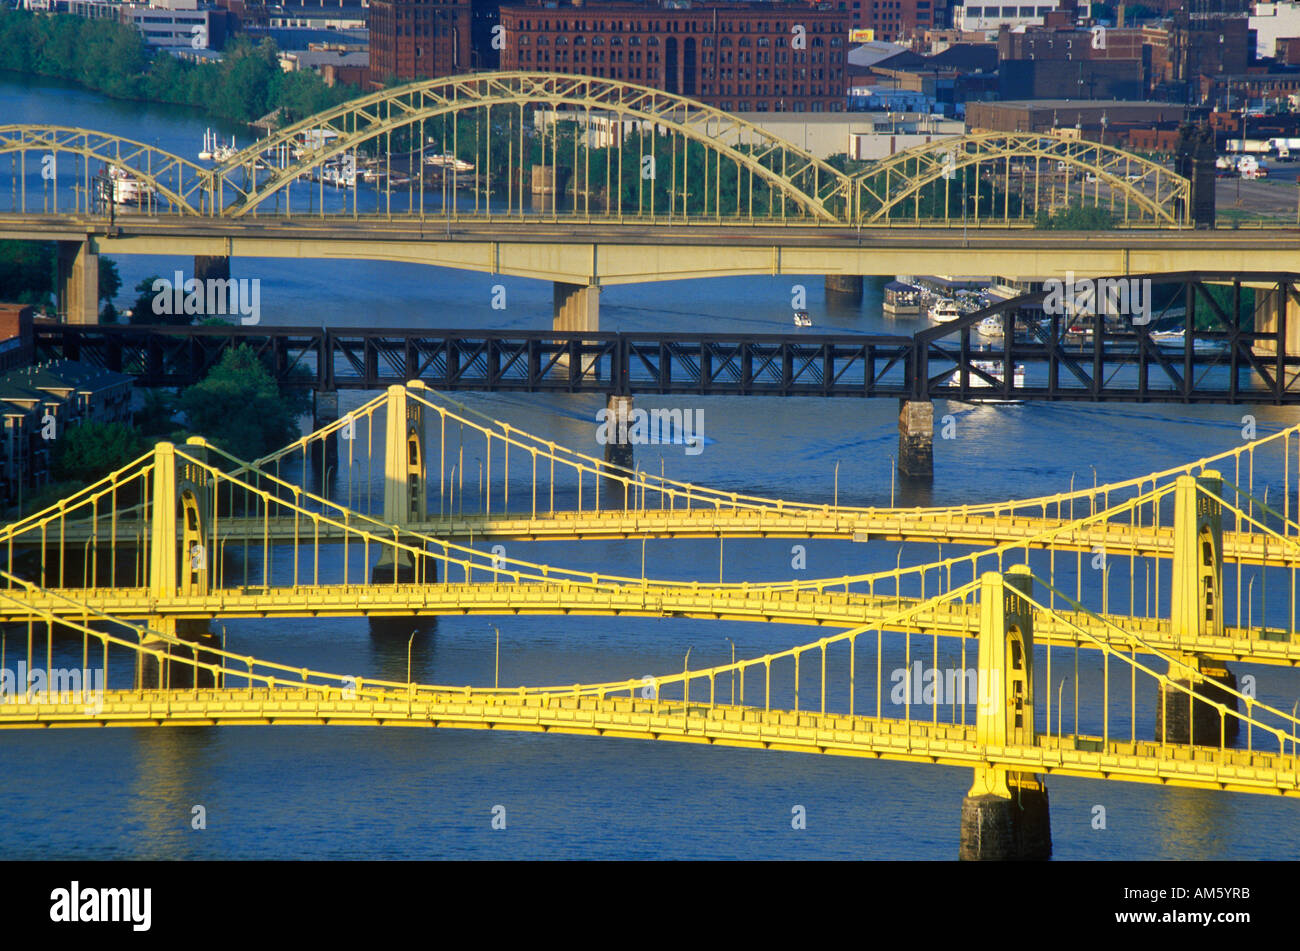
{"x":343,"y":792}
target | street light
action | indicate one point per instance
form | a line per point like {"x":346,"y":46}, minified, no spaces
{"x":409,"y":641}
{"x":733,"y":669}
{"x":686,"y":680}
{"x":496,"y":675}
{"x":1059,"y":688}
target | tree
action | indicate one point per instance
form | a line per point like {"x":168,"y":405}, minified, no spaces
{"x":91,"y":451}
{"x":1076,"y":218}
{"x":27,"y":271}
{"x":142,"y":310}
{"x":239,"y":407}
{"x":157,"y":416}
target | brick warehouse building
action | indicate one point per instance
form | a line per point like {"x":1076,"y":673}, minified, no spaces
{"x":737,"y":56}
{"x":412,"y":39}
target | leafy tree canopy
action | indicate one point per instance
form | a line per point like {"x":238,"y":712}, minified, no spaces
{"x":91,"y":451}
{"x":1076,"y":218}
{"x":239,"y":407}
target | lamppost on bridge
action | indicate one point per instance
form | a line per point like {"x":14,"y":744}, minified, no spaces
{"x":686,"y":679}
{"x":409,"y":641}
{"x":496,"y":668}
{"x":733,"y":669}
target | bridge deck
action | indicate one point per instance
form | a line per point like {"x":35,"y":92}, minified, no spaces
{"x":701,"y":723}
{"x":741,"y":603}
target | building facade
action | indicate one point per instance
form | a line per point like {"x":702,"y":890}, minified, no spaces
{"x":742,"y":57}
{"x":420,"y":39}
{"x":166,"y":24}
{"x":898,"y":20}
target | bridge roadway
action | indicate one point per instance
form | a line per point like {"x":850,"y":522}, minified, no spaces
{"x":608,"y":253}
{"x":706,"y":724}
{"x":739,"y":602}
{"x":946,"y":526}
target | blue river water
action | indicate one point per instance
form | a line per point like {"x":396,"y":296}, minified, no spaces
{"x":355,"y":792}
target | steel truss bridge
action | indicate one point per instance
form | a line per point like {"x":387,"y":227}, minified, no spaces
{"x":1131,"y":592}
{"x":1230,"y":345}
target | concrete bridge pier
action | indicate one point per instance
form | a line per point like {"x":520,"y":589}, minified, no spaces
{"x":575,"y":306}
{"x":614,"y":493}
{"x":212,"y":266}
{"x":916,"y":440}
{"x":843,"y":288}
{"x":1017,"y":827}
{"x":175,"y":671}
{"x":1180,"y":718}
{"x":78,"y":282}
{"x":325,"y":410}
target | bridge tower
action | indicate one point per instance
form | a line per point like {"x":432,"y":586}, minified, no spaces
{"x":1196,"y":611}
{"x":1005,"y":815}
{"x":405,"y":487}
{"x":180,"y":509}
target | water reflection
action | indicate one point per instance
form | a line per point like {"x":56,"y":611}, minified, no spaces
{"x":394,"y":640}
{"x":172,"y":774}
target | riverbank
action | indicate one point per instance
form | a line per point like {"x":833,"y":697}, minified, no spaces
{"x":113,"y":60}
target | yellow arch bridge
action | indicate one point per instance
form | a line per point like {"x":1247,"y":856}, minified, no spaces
{"x":523,"y":145}
{"x":1131,"y":591}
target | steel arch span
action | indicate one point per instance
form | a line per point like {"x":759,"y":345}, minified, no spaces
{"x":1017,"y":176}
{"x":717,"y":166}
{"x":165,"y":182}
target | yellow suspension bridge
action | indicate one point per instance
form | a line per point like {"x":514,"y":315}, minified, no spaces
{"x":1133,"y":590}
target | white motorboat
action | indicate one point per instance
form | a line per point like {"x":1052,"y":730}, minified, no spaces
{"x":945,"y":309}
{"x":994,"y":369}
{"x":447,"y":160}
{"x":1177,"y":340}
{"x":990,"y":327}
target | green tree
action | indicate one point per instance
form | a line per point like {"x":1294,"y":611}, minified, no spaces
{"x":1076,"y":218}
{"x":157,"y":416}
{"x":27,"y":271}
{"x":110,"y":280}
{"x":239,"y":407}
{"x":91,"y":451}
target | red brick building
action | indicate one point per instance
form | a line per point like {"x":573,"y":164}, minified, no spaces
{"x":897,"y":20}
{"x":425,"y":39}
{"x":738,"y":56}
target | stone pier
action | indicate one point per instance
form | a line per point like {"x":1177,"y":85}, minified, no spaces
{"x":176,"y":670}
{"x":998,"y":829}
{"x":576,"y":307}
{"x":844,"y":288}
{"x":325,"y":410}
{"x":1181,"y":718}
{"x":212,"y":266}
{"x":614,"y":493}
{"x":78,"y":282}
{"x":916,"y":439}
